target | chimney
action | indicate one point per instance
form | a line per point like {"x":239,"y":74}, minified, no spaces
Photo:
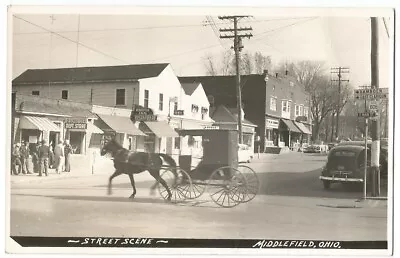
{"x":276,"y":75}
{"x":286,"y":72}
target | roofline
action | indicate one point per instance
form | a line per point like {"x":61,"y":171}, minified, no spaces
{"x":39,"y":113}
{"x":74,"y":82}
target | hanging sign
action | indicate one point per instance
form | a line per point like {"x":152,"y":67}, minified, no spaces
{"x":143,"y":114}
{"x":75,"y":123}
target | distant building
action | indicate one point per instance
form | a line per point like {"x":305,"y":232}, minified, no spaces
{"x":277,"y":104}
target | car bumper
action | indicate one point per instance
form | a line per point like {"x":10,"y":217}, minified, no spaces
{"x":341,"y":179}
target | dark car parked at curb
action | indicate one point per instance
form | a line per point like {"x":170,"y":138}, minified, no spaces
{"x":346,"y":164}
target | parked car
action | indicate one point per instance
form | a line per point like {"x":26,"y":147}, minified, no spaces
{"x":245,"y":153}
{"x":346,"y":164}
{"x":316,"y":148}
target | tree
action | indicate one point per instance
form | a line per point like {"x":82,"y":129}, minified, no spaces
{"x":225,"y":65}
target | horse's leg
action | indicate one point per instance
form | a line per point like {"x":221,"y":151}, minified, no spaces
{"x":133,"y":185}
{"x":156,"y":175}
{"x":116,"y":173}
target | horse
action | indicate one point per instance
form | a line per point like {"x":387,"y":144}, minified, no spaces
{"x":129,"y":163}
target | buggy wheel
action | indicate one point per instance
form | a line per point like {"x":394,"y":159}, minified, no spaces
{"x":252,"y":187}
{"x":179,"y":183}
{"x":224,"y":187}
{"x":198,"y":186}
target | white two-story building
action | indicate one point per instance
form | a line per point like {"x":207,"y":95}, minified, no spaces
{"x":115,"y":91}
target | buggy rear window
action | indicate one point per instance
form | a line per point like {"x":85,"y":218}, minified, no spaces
{"x":344,"y":154}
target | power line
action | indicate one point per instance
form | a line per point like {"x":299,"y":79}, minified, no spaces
{"x":88,"y":47}
{"x":283,"y":27}
{"x":155,"y":27}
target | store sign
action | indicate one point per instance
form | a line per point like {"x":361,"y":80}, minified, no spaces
{"x":274,"y":124}
{"x":211,"y":127}
{"x":75,"y":123}
{"x":143,"y":114}
{"x":178,"y":112}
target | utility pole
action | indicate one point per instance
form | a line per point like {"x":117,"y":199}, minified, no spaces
{"x":339,"y":71}
{"x":375,"y":122}
{"x":237,"y":47}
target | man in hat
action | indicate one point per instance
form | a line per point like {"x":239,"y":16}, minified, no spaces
{"x":16,"y":159}
{"x":67,"y":153}
{"x":24,"y":150}
{"x":44,"y":153}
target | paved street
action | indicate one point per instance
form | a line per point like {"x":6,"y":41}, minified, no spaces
{"x":292,"y":204}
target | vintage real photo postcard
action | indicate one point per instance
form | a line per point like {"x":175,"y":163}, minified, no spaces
{"x":200,"y":130}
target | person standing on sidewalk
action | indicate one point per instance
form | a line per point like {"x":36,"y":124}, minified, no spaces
{"x":67,"y":153}
{"x":35,"y":156}
{"x":44,"y":153}
{"x":59,"y":157}
{"x":16,"y":160}
{"x":24,"y":150}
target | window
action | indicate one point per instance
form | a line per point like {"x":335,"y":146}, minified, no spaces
{"x":204,"y":112}
{"x":35,"y":93}
{"x":284,"y":105}
{"x":289,"y":106}
{"x":306,"y":112}
{"x":175,"y":106}
{"x":297,"y":110}
{"x":272,"y":104}
{"x":177,"y":144}
{"x":146,"y":98}
{"x":120,"y":97}
{"x":301,"y":110}
{"x":161,"y":102}
{"x":64,"y":94}
{"x":195,"y":108}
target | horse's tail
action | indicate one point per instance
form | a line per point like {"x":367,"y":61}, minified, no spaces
{"x":169,"y":160}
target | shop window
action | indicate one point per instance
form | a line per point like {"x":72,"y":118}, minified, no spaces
{"x":272,"y":104}
{"x":120,"y":97}
{"x":177,"y":143}
{"x":161,"y":102}
{"x":35,"y":93}
{"x":146,"y":98}
{"x":64,"y":94}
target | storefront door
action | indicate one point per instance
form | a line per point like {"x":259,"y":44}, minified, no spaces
{"x":76,"y":140}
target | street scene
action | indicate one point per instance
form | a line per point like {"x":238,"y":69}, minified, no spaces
{"x":265,"y":126}
{"x":291,"y":204}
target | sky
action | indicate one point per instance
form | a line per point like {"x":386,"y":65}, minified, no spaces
{"x":184,"y":41}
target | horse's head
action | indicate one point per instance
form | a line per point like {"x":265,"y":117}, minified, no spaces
{"x":110,"y":147}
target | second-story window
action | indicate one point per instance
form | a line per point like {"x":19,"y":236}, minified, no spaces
{"x":161,"y":102}
{"x":35,"y":93}
{"x":64,"y":94}
{"x":175,"y":106}
{"x":195,"y":108}
{"x":289,"y":106}
{"x":120,"y":97}
{"x":296,"y":110}
{"x":301,"y":110}
{"x":284,"y":106}
{"x":272,"y":104}
{"x":306,"y":112}
{"x":146,"y":98}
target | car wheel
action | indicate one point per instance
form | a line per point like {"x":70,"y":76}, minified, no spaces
{"x":327,"y":184}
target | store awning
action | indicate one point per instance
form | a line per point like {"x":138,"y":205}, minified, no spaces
{"x":161,"y":129}
{"x":291,"y":126}
{"x":38,"y":123}
{"x":94,"y":129}
{"x":121,"y":124}
{"x":303,"y":128}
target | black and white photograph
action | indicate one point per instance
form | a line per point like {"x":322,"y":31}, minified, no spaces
{"x":146,"y":129}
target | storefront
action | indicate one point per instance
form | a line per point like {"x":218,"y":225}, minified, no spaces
{"x":290,"y":134}
{"x":306,"y":133}
{"x":159,"y":135}
{"x":122,"y":129}
{"x":33,"y":129}
{"x":271,"y":132}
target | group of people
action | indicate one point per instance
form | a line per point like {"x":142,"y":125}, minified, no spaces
{"x":43,"y":157}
